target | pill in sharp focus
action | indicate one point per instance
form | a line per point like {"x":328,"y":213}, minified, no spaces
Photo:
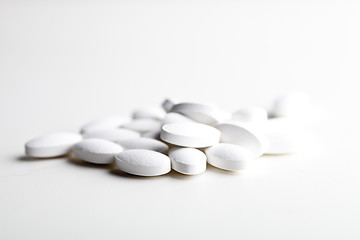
{"x":228,"y":156}
{"x":51,"y":145}
{"x":175,"y":117}
{"x":143,"y":162}
{"x":187,"y":134}
{"x":114,"y":134}
{"x":95,"y":150}
{"x":242,"y":135}
{"x":144,"y":143}
{"x":109,"y":122}
{"x":149,"y":112}
{"x":202,"y":113}
{"x":250,"y":114}
{"x":189,"y":161}
{"x":143,"y":125}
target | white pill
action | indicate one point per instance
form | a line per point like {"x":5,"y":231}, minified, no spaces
{"x":143,"y":125}
{"x":242,"y":135}
{"x":189,"y":161}
{"x":291,"y":105}
{"x":143,"y":162}
{"x":228,"y":156}
{"x":187,"y":134}
{"x":112,"y":134}
{"x":95,"y":150}
{"x":51,"y":145}
{"x":144,"y":143}
{"x":282,"y":136}
{"x":104,"y":123}
{"x":175,"y":117}
{"x":202,"y":113}
{"x":250,"y":114}
{"x":168,"y":104}
{"x":154,"y":134}
{"x":149,"y":112}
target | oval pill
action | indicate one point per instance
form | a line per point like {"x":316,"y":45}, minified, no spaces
{"x":228,"y":156}
{"x":143,"y":125}
{"x":149,"y":112}
{"x":168,"y":104}
{"x":202,"y":113}
{"x":144,"y":143}
{"x":109,"y":122}
{"x":242,"y":135}
{"x":154,"y":134}
{"x":96,"y":150}
{"x":51,"y":145}
{"x":282,"y":136}
{"x":291,"y":105}
{"x":175,"y":117}
{"x":250,"y":114}
{"x":189,"y":161}
{"x":143,"y":162}
{"x":187,"y":134}
{"x":112,"y":134}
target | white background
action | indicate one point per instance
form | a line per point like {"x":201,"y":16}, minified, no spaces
{"x":63,"y":63}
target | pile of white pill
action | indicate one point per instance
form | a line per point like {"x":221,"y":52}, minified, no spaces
{"x":181,"y":136}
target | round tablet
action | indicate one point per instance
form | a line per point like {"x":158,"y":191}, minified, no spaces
{"x":104,"y":123}
{"x":175,"y":117}
{"x":202,"y":113}
{"x":143,"y":162}
{"x":95,"y":150}
{"x":228,"y":156}
{"x":187,"y":134}
{"x":242,"y":135}
{"x":51,"y":145}
{"x":114,"y":134}
{"x":149,"y":112}
{"x":143,"y":125}
{"x":144,"y":143}
{"x":189,"y":161}
{"x":250,"y":114}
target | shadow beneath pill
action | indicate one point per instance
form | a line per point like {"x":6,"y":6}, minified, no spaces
{"x":176,"y":175}
{"x":24,"y":158}
{"x":80,"y":163}
{"x":119,"y":173}
{"x":211,"y":168}
{"x":277,"y":154}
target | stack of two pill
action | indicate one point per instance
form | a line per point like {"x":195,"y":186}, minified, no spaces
{"x":184,"y":137}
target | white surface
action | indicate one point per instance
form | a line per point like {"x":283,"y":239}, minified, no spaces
{"x":111,"y":57}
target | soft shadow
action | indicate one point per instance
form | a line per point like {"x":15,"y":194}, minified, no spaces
{"x":119,"y":173}
{"x":278,"y":154}
{"x":33,"y":159}
{"x":176,"y":175}
{"x":221,"y":171}
{"x":77,"y":162}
